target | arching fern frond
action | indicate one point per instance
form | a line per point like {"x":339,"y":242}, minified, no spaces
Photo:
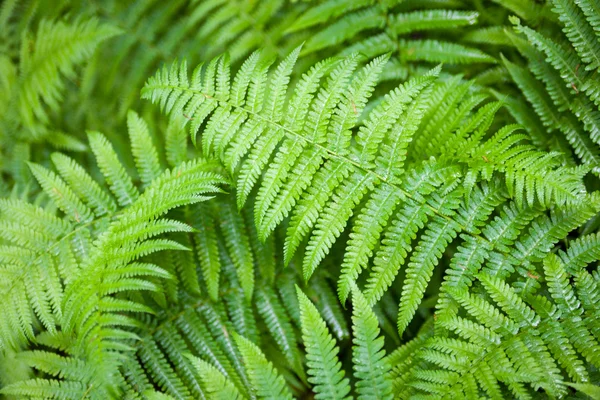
{"x":85,"y":262}
{"x":563,"y":90}
{"x":326,"y":167}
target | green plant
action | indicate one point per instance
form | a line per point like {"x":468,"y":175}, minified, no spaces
{"x":355,"y":221}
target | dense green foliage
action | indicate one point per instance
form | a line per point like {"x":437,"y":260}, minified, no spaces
{"x":279,"y":199}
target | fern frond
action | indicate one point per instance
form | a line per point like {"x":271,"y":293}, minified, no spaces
{"x":346,"y":27}
{"x":436,"y":51}
{"x":324,"y":368}
{"x":238,"y":244}
{"x":87,"y":262}
{"x":161,"y":371}
{"x":329,"y":307}
{"x":580,"y":253}
{"x":83,"y":185}
{"x":494,"y":35}
{"x":579,"y":33}
{"x":431,"y":19}
{"x":325,"y":11}
{"x":206,"y":244}
{"x":144,"y":152}
{"x":420,"y":269}
{"x":539,"y":334}
{"x":370,"y":365}
{"x":57,"y":49}
{"x":278,"y":323}
{"x":564,"y":61}
{"x":332,"y":173}
{"x":121,"y":184}
{"x":267,"y":383}
{"x":217,"y":385}
{"x":467,"y":242}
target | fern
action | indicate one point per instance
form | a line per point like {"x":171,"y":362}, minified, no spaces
{"x":33,"y":82}
{"x":543,"y":329}
{"x":351,"y":221}
{"x":309,"y":160}
{"x":91,"y":256}
{"x":564,"y":67}
{"x":40,"y":74}
{"x":372,"y":369}
{"x":324,"y":367}
{"x":352,"y":24}
{"x":268,"y":385}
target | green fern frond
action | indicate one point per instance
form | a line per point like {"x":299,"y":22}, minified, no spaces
{"x":324,"y":12}
{"x":95,"y":250}
{"x":565,"y":66}
{"x":370,"y":365}
{"x":121,"y":184}
{"x":539,"y":332}
{"x":58,"y":47}
{"x":455,"y":206}
{"x":344,"y":172}
{"x":144,"y":152}
{"x":217,"y":386}
{"x":324,"y":368}
{"x":278,"y":323}
{"x":436,"y":51}
{"x":431,"y":19}
{"x":205,"y":240}
{"x":267,"y":383}
{"x":579,"y":33}
{"x":238,"y":244}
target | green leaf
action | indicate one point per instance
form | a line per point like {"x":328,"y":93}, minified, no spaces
{"x":324,"y":367}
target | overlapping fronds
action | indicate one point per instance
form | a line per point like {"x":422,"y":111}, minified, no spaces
{"x":560,"y":80}
{"x":373,"y":28}
{"x":309,"y":159}
{"x":404,"y":206}
{"x":155,"y":32}
{"x":537,"y":333}
{"x":66,"y":275}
